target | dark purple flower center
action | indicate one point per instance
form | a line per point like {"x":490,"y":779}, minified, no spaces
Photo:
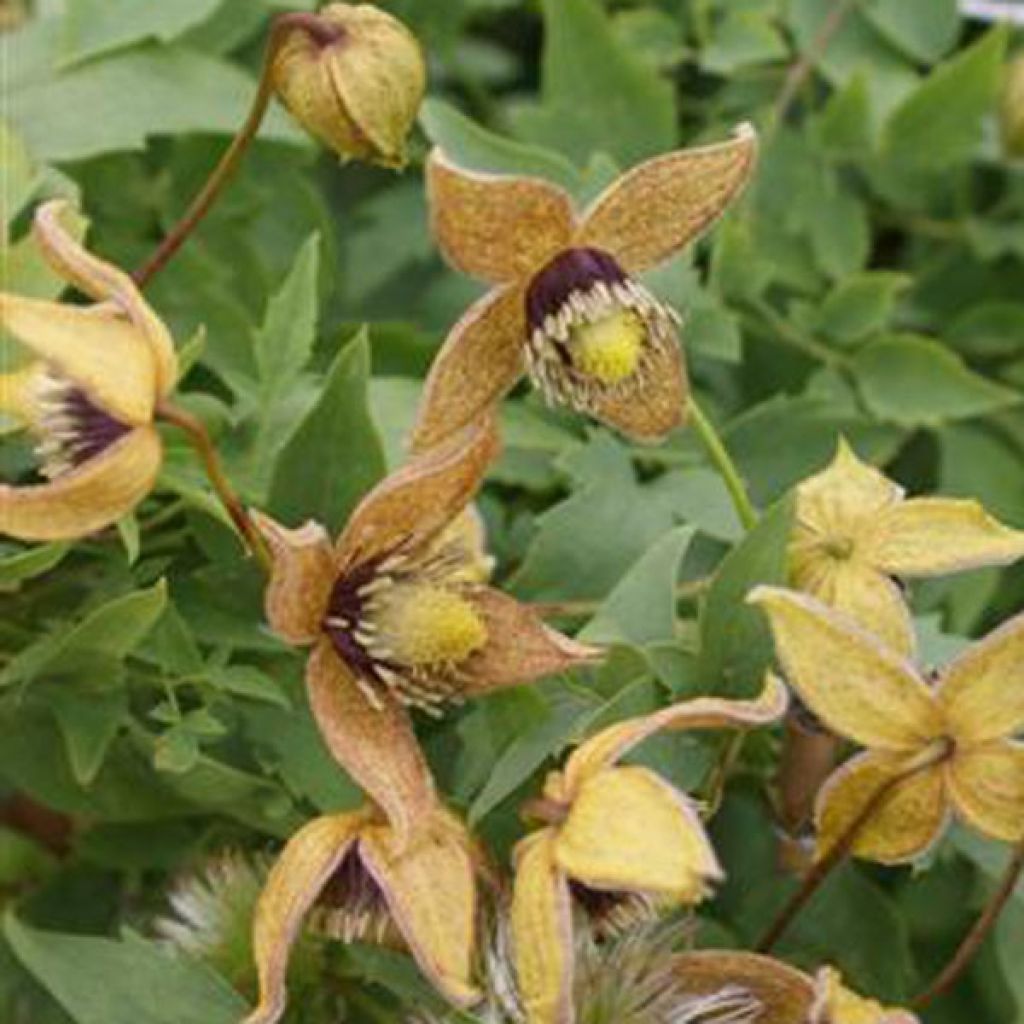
{"x":572,"y":271}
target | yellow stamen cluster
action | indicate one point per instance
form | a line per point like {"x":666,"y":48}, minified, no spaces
{"x":609,"y":349}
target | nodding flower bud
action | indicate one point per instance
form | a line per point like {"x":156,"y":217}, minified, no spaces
{"x":1011,"y":114}
{"x":354,"y":77}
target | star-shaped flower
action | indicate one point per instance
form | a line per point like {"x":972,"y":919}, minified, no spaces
{"x":90,"y":397}
{"x":565,"y":300}
{"x":620,"y":843}
{"x":855,"y":532}
{"x":956,"y":735}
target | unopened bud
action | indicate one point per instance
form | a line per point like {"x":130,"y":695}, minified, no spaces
{"x":353,"y":76}
{"x":1011,"y":114}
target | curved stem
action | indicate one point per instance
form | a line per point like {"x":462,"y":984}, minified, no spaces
{"x":977,"y":935}
{"x":201,"y":441}
{"x":723,"y":463}
{"x":324,"y":33}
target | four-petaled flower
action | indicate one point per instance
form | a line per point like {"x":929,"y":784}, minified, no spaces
{"x":620,"y":843}
{"x":90,"y":396}
{"x":941,"y":747}
{"x":566,"y":300}
{"x":855,"y":532}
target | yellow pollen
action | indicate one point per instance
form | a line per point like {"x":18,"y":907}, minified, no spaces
{"x":609,"y":349}
{"x":840,"y":548}
{"x":427,"y":625}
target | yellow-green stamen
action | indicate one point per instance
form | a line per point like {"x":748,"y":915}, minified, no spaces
{"x":609,"y":349}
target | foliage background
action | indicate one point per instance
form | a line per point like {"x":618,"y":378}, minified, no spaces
{"x":871,"y":283}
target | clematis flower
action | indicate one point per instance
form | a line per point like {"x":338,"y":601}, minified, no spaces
{"x":90,"y":395}
{"x":955,"y":735}
{"x":620,"y":843}
{"x":357,"y":879}
{"x":836,"y":1004}
{"x":565,"y":300}
{"x":855,"y":532}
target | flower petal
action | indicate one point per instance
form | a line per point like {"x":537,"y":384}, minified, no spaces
{"x":493,"y":226}
{"x":377,"y":748}
{"x":413,"y":504}
{"x":784,"y":992}
{"x":836,"y":1004}
{"x":935,"y":536}
{"x":301,"y":578}
{"x":902,"y":827}
{"x":667,"y":202}
{"x":430,"y":889}
{"x":541,"y":925}
{"x":986,"y":784}
{"x":88,"y":498}
{"x":606,"y":747}
{"x":296,"y":880}
{"x":629,"y":829}
{"x":103,"y":281}
{"x":18,"y":392}
{"x":983,"y":689}
{"x":93,"y":347}
{"x":480,"y":360}
{"x":520,"y":648}
{"x":855,"y":685}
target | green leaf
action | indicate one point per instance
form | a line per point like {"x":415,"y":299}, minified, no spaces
{"x":29,"y":563}
{"x":249,"y":682}
{"x":845,"y":126}
{"x":334,"y":455}
{"x":912,"y":380}
{"x":741,"y":39}
{"x":88,"y":720}
{"x":736,"y":645}
{"x":20,"y":177}
{"x":860,"y":305}
{"x":988,"y":329}
{"x":923,"y":29}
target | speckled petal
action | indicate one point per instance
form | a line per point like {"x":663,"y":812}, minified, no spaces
{"x":495,"y":227}
{"x":88,"y":498}
{"x":480,"y":360}
{"x":986,"y":784}
{"x":377,"y":748}
{"x":661,"y":205}
{"x":855,"y":685}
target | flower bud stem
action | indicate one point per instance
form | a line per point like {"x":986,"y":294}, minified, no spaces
{"x":201,"y":441}
{"x":325,"y":34}
{"x":723,"y":463}
{"x":977,"y":935}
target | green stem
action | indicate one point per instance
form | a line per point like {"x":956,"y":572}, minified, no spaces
{"x":723,"y":463}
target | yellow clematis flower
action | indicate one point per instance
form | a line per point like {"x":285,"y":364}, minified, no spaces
{"x":565,"y":300}
{"x":357,"y":879}
{"x":620,"y":842}
{"x":956,"y":735}
{"x":90,"y":396}
{"x":836,"y":1004}
{"x":855,"y":532}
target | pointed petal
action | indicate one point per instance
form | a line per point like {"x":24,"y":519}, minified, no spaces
{"x":88,"y":498}
{"x":629,"y":829}
{"x":430,"y":888}
{"x":93,"y":347}
{"x":983,"y":689}
{"x":519,"y":648}
{"x":480,"y":360}
{"x":986,"y":784}
{"x":836,"y":1003}
{"x":301,"y":578}
{"x":495,"y":227}
{"x":606,"y":747}
{"x":103,"y":281}
{"x":541,"y":925}
{"x":903,"y":827}
{"x":413,"y":504}
{"x":18,"y":392}
{"x":856,"y":686}
{"x":784,"y":993}
{"x":377,"y":748}
{"x":935,"y":536}
{"x":665,"y":203}
{"x":296,"y":880}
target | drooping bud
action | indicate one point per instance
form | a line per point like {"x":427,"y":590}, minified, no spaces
{"x":354,"y":77}
{"x":1011,"y":113}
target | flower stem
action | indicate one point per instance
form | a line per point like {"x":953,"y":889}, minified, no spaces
{"x":723,"y":463}
{"x":201,"y":441}
{"x":324,"y":33}
{"x":977,"y":935}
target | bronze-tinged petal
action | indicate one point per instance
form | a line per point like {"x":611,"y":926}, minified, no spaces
{"x":88,"y":498}
{"x":300,"y":579}
{"x":413,"y":504}
{"x":480,"y":360}
{"x":986,"y":784}
{"x":305,"y":866}
{"x":667,"y":202}
{"x":495,"y":227}
{"x":378,"y":748}
{"x":520,"y":648}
